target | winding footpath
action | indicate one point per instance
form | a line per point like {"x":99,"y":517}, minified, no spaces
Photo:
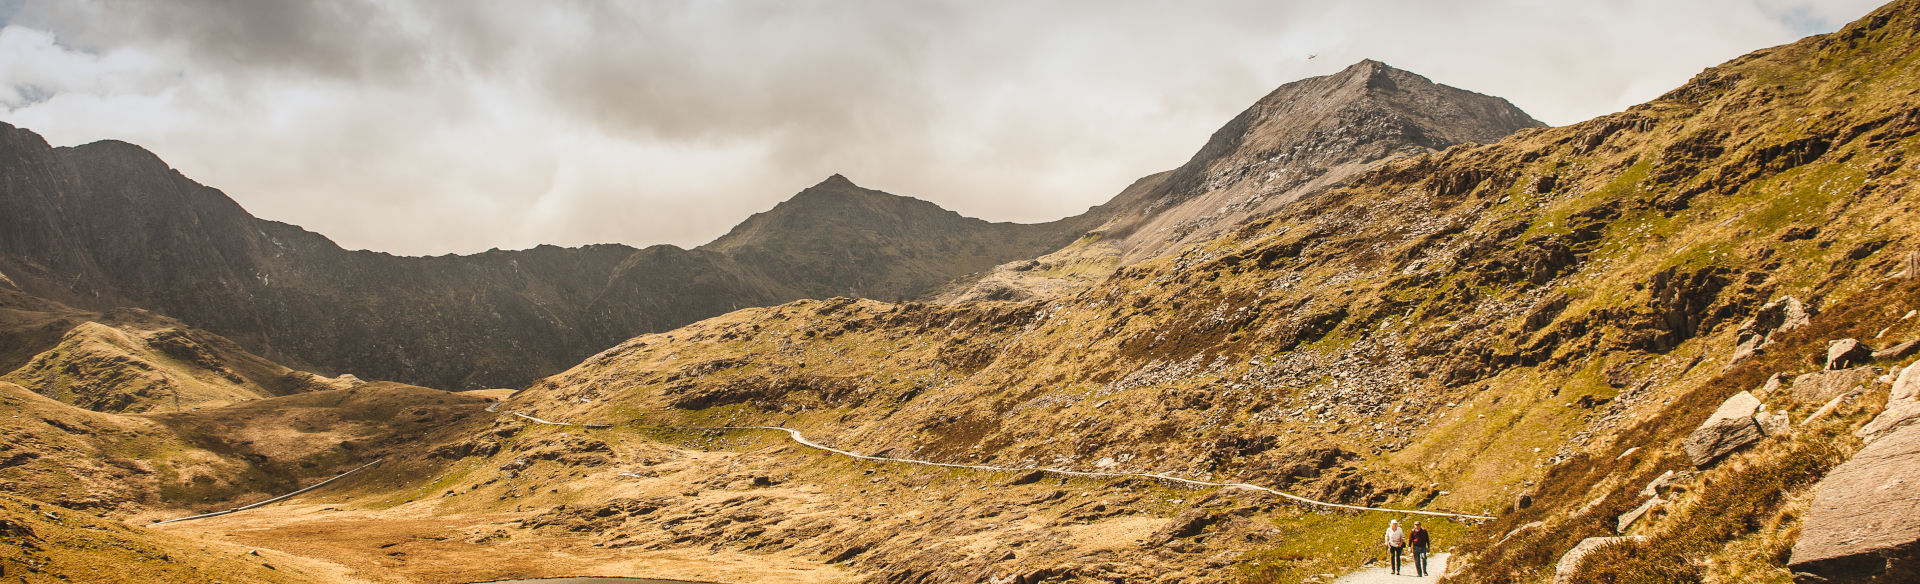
{"x":802,"y":439}
{"x":269,"y":501}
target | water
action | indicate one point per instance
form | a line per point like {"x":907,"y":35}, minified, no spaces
{"x":592,"y":580}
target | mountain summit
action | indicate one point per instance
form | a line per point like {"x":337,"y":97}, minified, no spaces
{"x":839,"y":239}
{"x":1300,"y":139}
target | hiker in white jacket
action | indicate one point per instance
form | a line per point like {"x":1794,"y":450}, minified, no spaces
{"x":1396,"y":540}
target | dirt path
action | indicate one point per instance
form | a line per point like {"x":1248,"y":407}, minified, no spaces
{"x":802,"y":439}
{"x":269,"y":501}
{"x":1436,"y":565}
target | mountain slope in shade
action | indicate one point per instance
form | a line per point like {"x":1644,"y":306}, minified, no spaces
{"x":109,"y":225}
{"x":1300,"y":139}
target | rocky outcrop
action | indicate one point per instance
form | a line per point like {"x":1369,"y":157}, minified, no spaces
{"x":1820,"y":386}
{"x":1729,"y":428}
{"x":1783,"y":314}
{"x":1862,"y":528}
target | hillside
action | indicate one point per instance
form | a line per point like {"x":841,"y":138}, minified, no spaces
{"x":108,"y":225}
{"x":70,"y":477}
{"x":129,"y":360}
{"x":1679,"y":343}
{"x":1550,"y":315}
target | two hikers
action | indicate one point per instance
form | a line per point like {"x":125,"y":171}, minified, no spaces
{"x":1416,"y":539}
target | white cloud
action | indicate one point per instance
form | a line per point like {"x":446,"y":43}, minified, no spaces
{"x":432,"y":127}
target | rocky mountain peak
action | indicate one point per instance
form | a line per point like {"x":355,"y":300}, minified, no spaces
{"x":1300,"y":138}
{"x":837,"y":181}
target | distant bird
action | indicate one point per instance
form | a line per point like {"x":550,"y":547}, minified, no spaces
{"x":1311,"y":56}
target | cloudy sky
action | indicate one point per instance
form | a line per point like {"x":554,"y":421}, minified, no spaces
{"x":428,"y":127}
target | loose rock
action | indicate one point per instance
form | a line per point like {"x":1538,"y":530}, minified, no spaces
{"x":1900,"y":351}
{"x":1627,"y":520}
{"x":1728,"y":429}
{"x":1845,"y":353}
{"x":1774,"y":423}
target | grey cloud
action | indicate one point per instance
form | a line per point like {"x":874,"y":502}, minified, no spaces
{"x":427,"y":127}
{"x":350,"y":39}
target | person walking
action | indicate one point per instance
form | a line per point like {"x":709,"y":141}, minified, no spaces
{"x":1417,"y":543}
{"x":1396,"y":540}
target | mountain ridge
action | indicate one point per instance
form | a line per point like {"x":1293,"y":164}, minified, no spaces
{"x":109,"y":224}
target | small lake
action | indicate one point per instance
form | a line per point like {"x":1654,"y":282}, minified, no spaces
{"x":592,"y":580}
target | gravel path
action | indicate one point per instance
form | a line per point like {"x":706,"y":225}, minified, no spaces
{"x":797,"y":437}
{"x":1436,"y":565}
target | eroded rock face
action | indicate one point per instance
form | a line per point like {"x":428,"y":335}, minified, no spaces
{"x":1731,"y":427}
{"x":1783,"y":314}
{"x":1864,"y":525}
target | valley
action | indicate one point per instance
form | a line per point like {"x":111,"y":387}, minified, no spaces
{"x":1675,"y":343}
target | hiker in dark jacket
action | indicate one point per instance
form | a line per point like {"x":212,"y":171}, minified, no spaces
{"x":1417,"y":542}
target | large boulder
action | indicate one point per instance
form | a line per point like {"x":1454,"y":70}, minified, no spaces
{"x":1784,"y":314}
{"x":1865,"y":523}
{"x":1820,"y":386}
{"x":1903,"y":406}
{"x":1730,"y":428}
{"x":1845,"y":353}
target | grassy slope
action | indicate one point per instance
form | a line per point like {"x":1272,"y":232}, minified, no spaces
{"x":130,"y":360}
{"x":46,"y":544}
{"x":151,"y":466}
{"x":1483,"y":319}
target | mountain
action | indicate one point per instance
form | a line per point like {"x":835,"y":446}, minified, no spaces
{"x":109,"y":225}
{"x":1300,"y":139}
{"x":837,"y":239}
{"x":1650,"y":324}
{"x":1653,"y":324}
